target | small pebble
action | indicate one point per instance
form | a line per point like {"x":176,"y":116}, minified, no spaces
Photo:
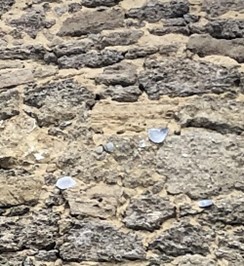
{"x":65,"y":182}
{"x":109,"y":147}
{"x":99,"y":150}
{"x":205,"y":203}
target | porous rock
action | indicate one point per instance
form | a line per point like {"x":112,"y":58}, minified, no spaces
{"x":92,"y":21}
{"x":193,"y":78}
{"x":99,"y":241}
{"x":58,"y":101}
{"x":190,"y":172}
{"x":204,"y":45}
{"x":181,"y":239}
{"x":148,"y":213}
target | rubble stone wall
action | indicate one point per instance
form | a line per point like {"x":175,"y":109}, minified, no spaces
{"x":81,"y":82}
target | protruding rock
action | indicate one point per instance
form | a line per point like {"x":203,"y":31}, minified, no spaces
{"x":92,"y":21}
{"x":148,"y":213}
{"x":15,"y":77}
{"x":99,"y":241}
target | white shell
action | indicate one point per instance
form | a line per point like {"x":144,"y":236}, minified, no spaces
{"x":39,"y":156}
{"x":205,"y":203}
{"x":65,"y":182}
{"x":158,"y":135}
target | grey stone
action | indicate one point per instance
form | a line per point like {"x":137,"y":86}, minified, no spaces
{"x":74,"y":7}
{"x":9,"y":104}
{"x":140,"y":51}
{"x":38,"y":230}
{"x":197,"y":170}
{"x":148,"y":213}
{"x":153,"y":11}
{"x":204,"y":45}
{"x":124,"y":74}
{"x":96,"y":3}
{"x":99,"y":201}
{"x":228,"y":210}
{"x":181,"y":239}
{"x":32,"y":22}
{"x":122,"y":94}
{"x":214,"y":113}
{"x":99,"y":241}
{"x":225,"y":28}
{"x":15,"y":77}
{"x":92,"y":21}
{"x":162,"y":30}
{"x":5,"y":6}
{"x":192,"y":78}
{"x":230,"y":246}
{"x":93,"y":59}
{"x":194,"y":260}
{"x":44,"y":255}
{"x":116,"y":38}
{"x":72,"y":47}
{"x":58,"y":101}
{"x":220,"y":7}
{"x":23,"y":52}
{"x":99,"y":150}
{"x":109,"y":147}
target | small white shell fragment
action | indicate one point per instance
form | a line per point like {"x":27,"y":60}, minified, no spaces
{"x":65,"y":182}
{"x":157,"y":135}
{"x":39,"y":156}
{"x":109,"y":147}
{"x":142,"y":144}
{"x":205,"y":203}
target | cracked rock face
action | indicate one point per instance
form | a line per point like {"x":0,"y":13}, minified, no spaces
{"x":100,"y":242}
{"x":182,"y":239}
{"x":67,"y":94}
{"x":82,"y":82}
{"x":148,"y":213}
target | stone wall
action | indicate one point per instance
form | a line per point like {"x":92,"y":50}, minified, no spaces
{"x":81,"y":82}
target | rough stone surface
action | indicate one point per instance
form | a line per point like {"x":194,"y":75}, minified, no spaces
{"x":81,"y":83}
{"x":148,"y":213}
{"x":65,"y":94}
{"x":19,"y":188}
{"x":33,"y":231}
{"x":123,"y":74}
{"x":223,"y":117}
{"x":14,"y":77}
{"x":23,"y":52}
{"x":32,"y":22}
{"x":182,"y":239}
{"x":159,"y":78}
{"x":204,"y":45}
{"x":5,"y":6}
{"x":9,"y":104}
{"x":154,"y":10}
{"x":92,"y":22}
{"x":220,"y":7}
{"x":92,"y":59}
{"x":100,"y":242}
{"x":95,"y":3}
{"x":190,"y":170}
{"x":226,"y":29}
{"x":102,"y":204}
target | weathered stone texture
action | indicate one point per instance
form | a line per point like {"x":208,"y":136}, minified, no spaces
{"x":99,"y":241}
{"x":92,"y":22}
{"x":81,"y":84}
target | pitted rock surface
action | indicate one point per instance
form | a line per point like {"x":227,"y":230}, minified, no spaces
{"x":81,"y":83}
